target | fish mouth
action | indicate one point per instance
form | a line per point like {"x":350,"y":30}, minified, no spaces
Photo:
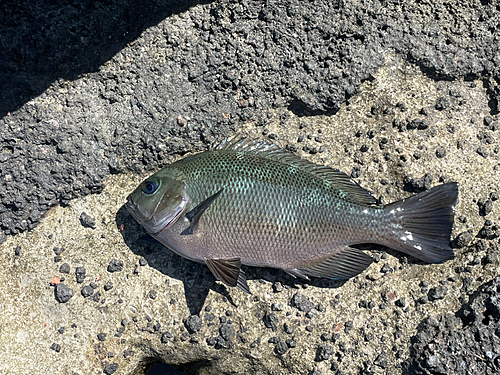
{"x":152,"y":223}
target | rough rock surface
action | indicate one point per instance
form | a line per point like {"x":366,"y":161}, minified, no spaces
{"x":467,"y":342}
{"x":400,"y":95}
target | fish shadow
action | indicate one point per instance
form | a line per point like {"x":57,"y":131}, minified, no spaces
{"x":196,"y":277}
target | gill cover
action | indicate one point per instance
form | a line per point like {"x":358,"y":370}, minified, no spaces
{"x":158,"y":201}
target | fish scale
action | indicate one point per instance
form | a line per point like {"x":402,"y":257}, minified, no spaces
{"x":252,"y":203}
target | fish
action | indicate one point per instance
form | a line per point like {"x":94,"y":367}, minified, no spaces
{"x":250,"y":202}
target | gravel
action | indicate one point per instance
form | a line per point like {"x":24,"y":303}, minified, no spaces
{"x":63,"y":293}
{"x":300,"y":302}
{"x":87,"y":221}
{"x":193,"y":323}
{"x":115,"y":265}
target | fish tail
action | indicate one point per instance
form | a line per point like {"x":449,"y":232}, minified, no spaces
{"x":424,"y":223}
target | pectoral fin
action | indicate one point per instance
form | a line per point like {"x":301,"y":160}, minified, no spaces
{"x":194,"y":215}
{"x":229,"y":272}
{"x":344,"y":263}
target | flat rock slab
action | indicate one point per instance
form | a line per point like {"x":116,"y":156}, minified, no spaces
{"x":401,"y":95}
{"x":123,"y":303}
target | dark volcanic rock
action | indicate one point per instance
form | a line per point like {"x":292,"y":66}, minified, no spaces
{"x":449,"y":344}
{"x":193,"y":323}
{"x":226,"y":330}
{"x":271,"y":321}
{"x":115,"y":265}
{"x":301,"y":302}
{"x":439,"y":292}
{"x":63,"y":293}
{"x":80,"y":273}
{"x":87,"y":221}
{"x":417,"y":185}
{"x":324,"y":352}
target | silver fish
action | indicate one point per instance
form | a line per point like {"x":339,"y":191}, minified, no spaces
{"x":252,"y":203}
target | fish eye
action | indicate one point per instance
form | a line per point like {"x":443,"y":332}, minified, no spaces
{"x":149,"y":187}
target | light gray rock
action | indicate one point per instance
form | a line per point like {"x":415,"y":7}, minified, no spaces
{"x":139,"y":328}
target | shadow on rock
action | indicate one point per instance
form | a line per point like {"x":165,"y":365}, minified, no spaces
{"x":47,"y":40}
{"x":196,"y":277}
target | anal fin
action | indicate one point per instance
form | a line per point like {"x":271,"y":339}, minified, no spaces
{"x":344,"y":263}
{"x":296,"y":273}
{"x":229,"y":272}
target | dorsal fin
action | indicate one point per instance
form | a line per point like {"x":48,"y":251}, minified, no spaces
{"x":347,"y":188}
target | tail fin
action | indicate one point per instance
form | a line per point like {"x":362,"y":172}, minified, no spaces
{"x":424,"y":223}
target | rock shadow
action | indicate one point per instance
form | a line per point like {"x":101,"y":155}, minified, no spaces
{"x":43,"y":41}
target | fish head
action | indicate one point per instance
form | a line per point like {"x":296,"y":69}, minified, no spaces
{"x":158,"y":201}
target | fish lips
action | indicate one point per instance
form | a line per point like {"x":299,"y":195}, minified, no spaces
{"x":158,"y":221}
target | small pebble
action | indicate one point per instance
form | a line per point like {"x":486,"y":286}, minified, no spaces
{"x":87,"y":291}
{"x":110,"y":369}
{"x":277,"y":287}
{"x":485,"y":206}
{"x":281,"y":348}
{"x":56,"y":347}
{"x":481,"y":152}
{"x":440,"y":152}
{"x":165,"y":337}
{"x":115,"y":266}
{"x":63,"y":293}
{"x":193,"y":323}
{"x":58,"y":250}
{"x":226,"y":330}
{"x":438,"y":292}
{"x":291,"y":343}
{"x":87,"y":221}
{"x":101,"y":336}
{"x":442,"y":103}
{"x":64,"y":268}
{"x":324,"y":352}
{"x":80,"y":273}
{"x":288,"y":328}
{"x":271,"y":321}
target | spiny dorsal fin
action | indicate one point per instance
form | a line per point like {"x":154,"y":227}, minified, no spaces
{"x":229,"y":272}
{"x":348,"y":188}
